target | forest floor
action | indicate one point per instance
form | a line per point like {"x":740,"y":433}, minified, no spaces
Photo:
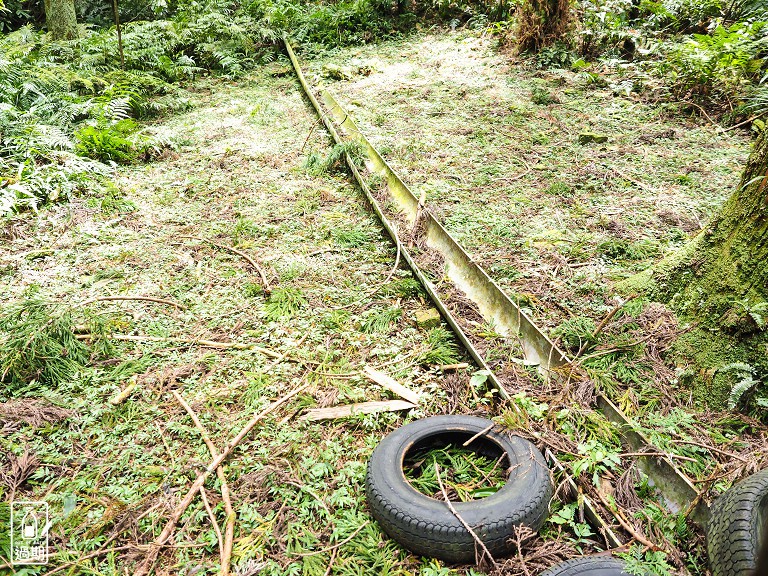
{"x":495,"y":145}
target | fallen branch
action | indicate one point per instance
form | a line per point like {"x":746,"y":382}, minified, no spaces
{"x":460,"y":519}
{"x":214,"y":524}
{"x":149,"y":560}
{"x":334,"y":412}
{"x":198,"y":342}
{"x":229,"y":529}
{"x":249,"y":259}
{"x":392,"y":385}
{"x":121,"y":396}
{"x":637,"y":535}
{"x":712,"y":449}
{"x":450,"y":367}
{"x":481,"y":433}
{"x":138,"y":298}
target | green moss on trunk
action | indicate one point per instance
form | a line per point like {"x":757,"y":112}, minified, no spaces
{"x":61,"y":19}
{"x":719,"y":284}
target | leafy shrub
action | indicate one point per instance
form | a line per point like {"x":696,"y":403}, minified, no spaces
{"x":441,"y":348}
{"x":680,"y":15}
{"x":284,"y":302}
{"x":575,"y":332}
{"x":109,"y":143}
{"x":719,"y":66}
{"x":37,"y":343}
{"x":607,"y":26}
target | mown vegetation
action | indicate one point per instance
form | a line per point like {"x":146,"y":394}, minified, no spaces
{"x":69,"y":107}
{"x":78,"y":122}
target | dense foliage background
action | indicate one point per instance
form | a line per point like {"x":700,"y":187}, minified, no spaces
{"x":68,"y":109}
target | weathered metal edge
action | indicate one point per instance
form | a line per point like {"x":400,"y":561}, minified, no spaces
{"x":676,"y":488}
{"x":494,"y":304}
{"x":590,"y":510}
{"x":428,"y":286}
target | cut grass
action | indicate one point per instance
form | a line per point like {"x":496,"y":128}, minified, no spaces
{"x":297,"y":485}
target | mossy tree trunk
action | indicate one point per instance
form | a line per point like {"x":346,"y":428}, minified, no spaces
{"x":542,"y":22}
{"x":61,"y":19}
{"x":718,"y":284}
{"x":723,"y":273}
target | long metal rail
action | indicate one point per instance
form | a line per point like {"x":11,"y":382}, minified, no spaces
{"x":495,"y":305}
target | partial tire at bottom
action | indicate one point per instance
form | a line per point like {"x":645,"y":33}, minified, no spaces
{"x":736,"y":526}
{"x":589,"y":566}
{"x":425,"y":525}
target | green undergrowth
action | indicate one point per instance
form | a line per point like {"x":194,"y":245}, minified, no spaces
{"x":108,"y":467}
{"x":465,"y":474}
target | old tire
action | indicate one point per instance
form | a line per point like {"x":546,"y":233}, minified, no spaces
{"x":735,"y":528}
{"x":588,"y":566}
{"x":425,"y":525}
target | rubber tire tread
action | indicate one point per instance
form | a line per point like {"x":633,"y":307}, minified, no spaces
{"x":588,"y":566}
{"x":733,"y":530}
{"x":425,"y":525}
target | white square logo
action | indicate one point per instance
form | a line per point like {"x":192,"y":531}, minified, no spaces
{"x":29,"y":533}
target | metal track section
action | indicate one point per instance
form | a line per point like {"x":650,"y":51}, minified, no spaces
{"x":425,"y":282}
{"x":495,"y":305}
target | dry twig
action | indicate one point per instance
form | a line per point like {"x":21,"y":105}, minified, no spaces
{"x":137,"y":298}
{"x":154,"y":550}
{"x":448,"y":503}
{"x":249,"y":259}
{"x":229,"y":529}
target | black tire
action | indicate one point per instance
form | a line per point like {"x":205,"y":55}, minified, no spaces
{"x":425,"y":525}
{"x":736,"y":526}
{"x":589,"y":566}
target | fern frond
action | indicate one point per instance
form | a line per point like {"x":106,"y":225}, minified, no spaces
{"x":739,"y":389}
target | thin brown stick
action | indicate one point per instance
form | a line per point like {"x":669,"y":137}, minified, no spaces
{"x":214,"y":523}
{"x":198,"y":342}
{"x":604,"y":323}
{"x":747,"y":121}
{"x":712,"y":449}
{"x":317,"y":122}
{"x":392,"y":271}
{"x":460,"y":519}
{"x":519,"y":547}
{"x":249,"y":259}
{"x":330,"y":562}
{"x":151,"y":557}
{"x":640,"y":537}
{"x":139,"y":298}
{"x":659,"y":454}
{"x":481,"y":433}
{"x":229,"y":528}
{"x":335,"y":546}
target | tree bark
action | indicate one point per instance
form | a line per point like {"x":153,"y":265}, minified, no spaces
{"x":61,"y":19}
{"x":541,"y":23}
{"x":724,"y":271}
{"x":718,"y":285}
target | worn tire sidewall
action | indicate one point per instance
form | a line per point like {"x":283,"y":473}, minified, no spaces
{"x":524,"y":498}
